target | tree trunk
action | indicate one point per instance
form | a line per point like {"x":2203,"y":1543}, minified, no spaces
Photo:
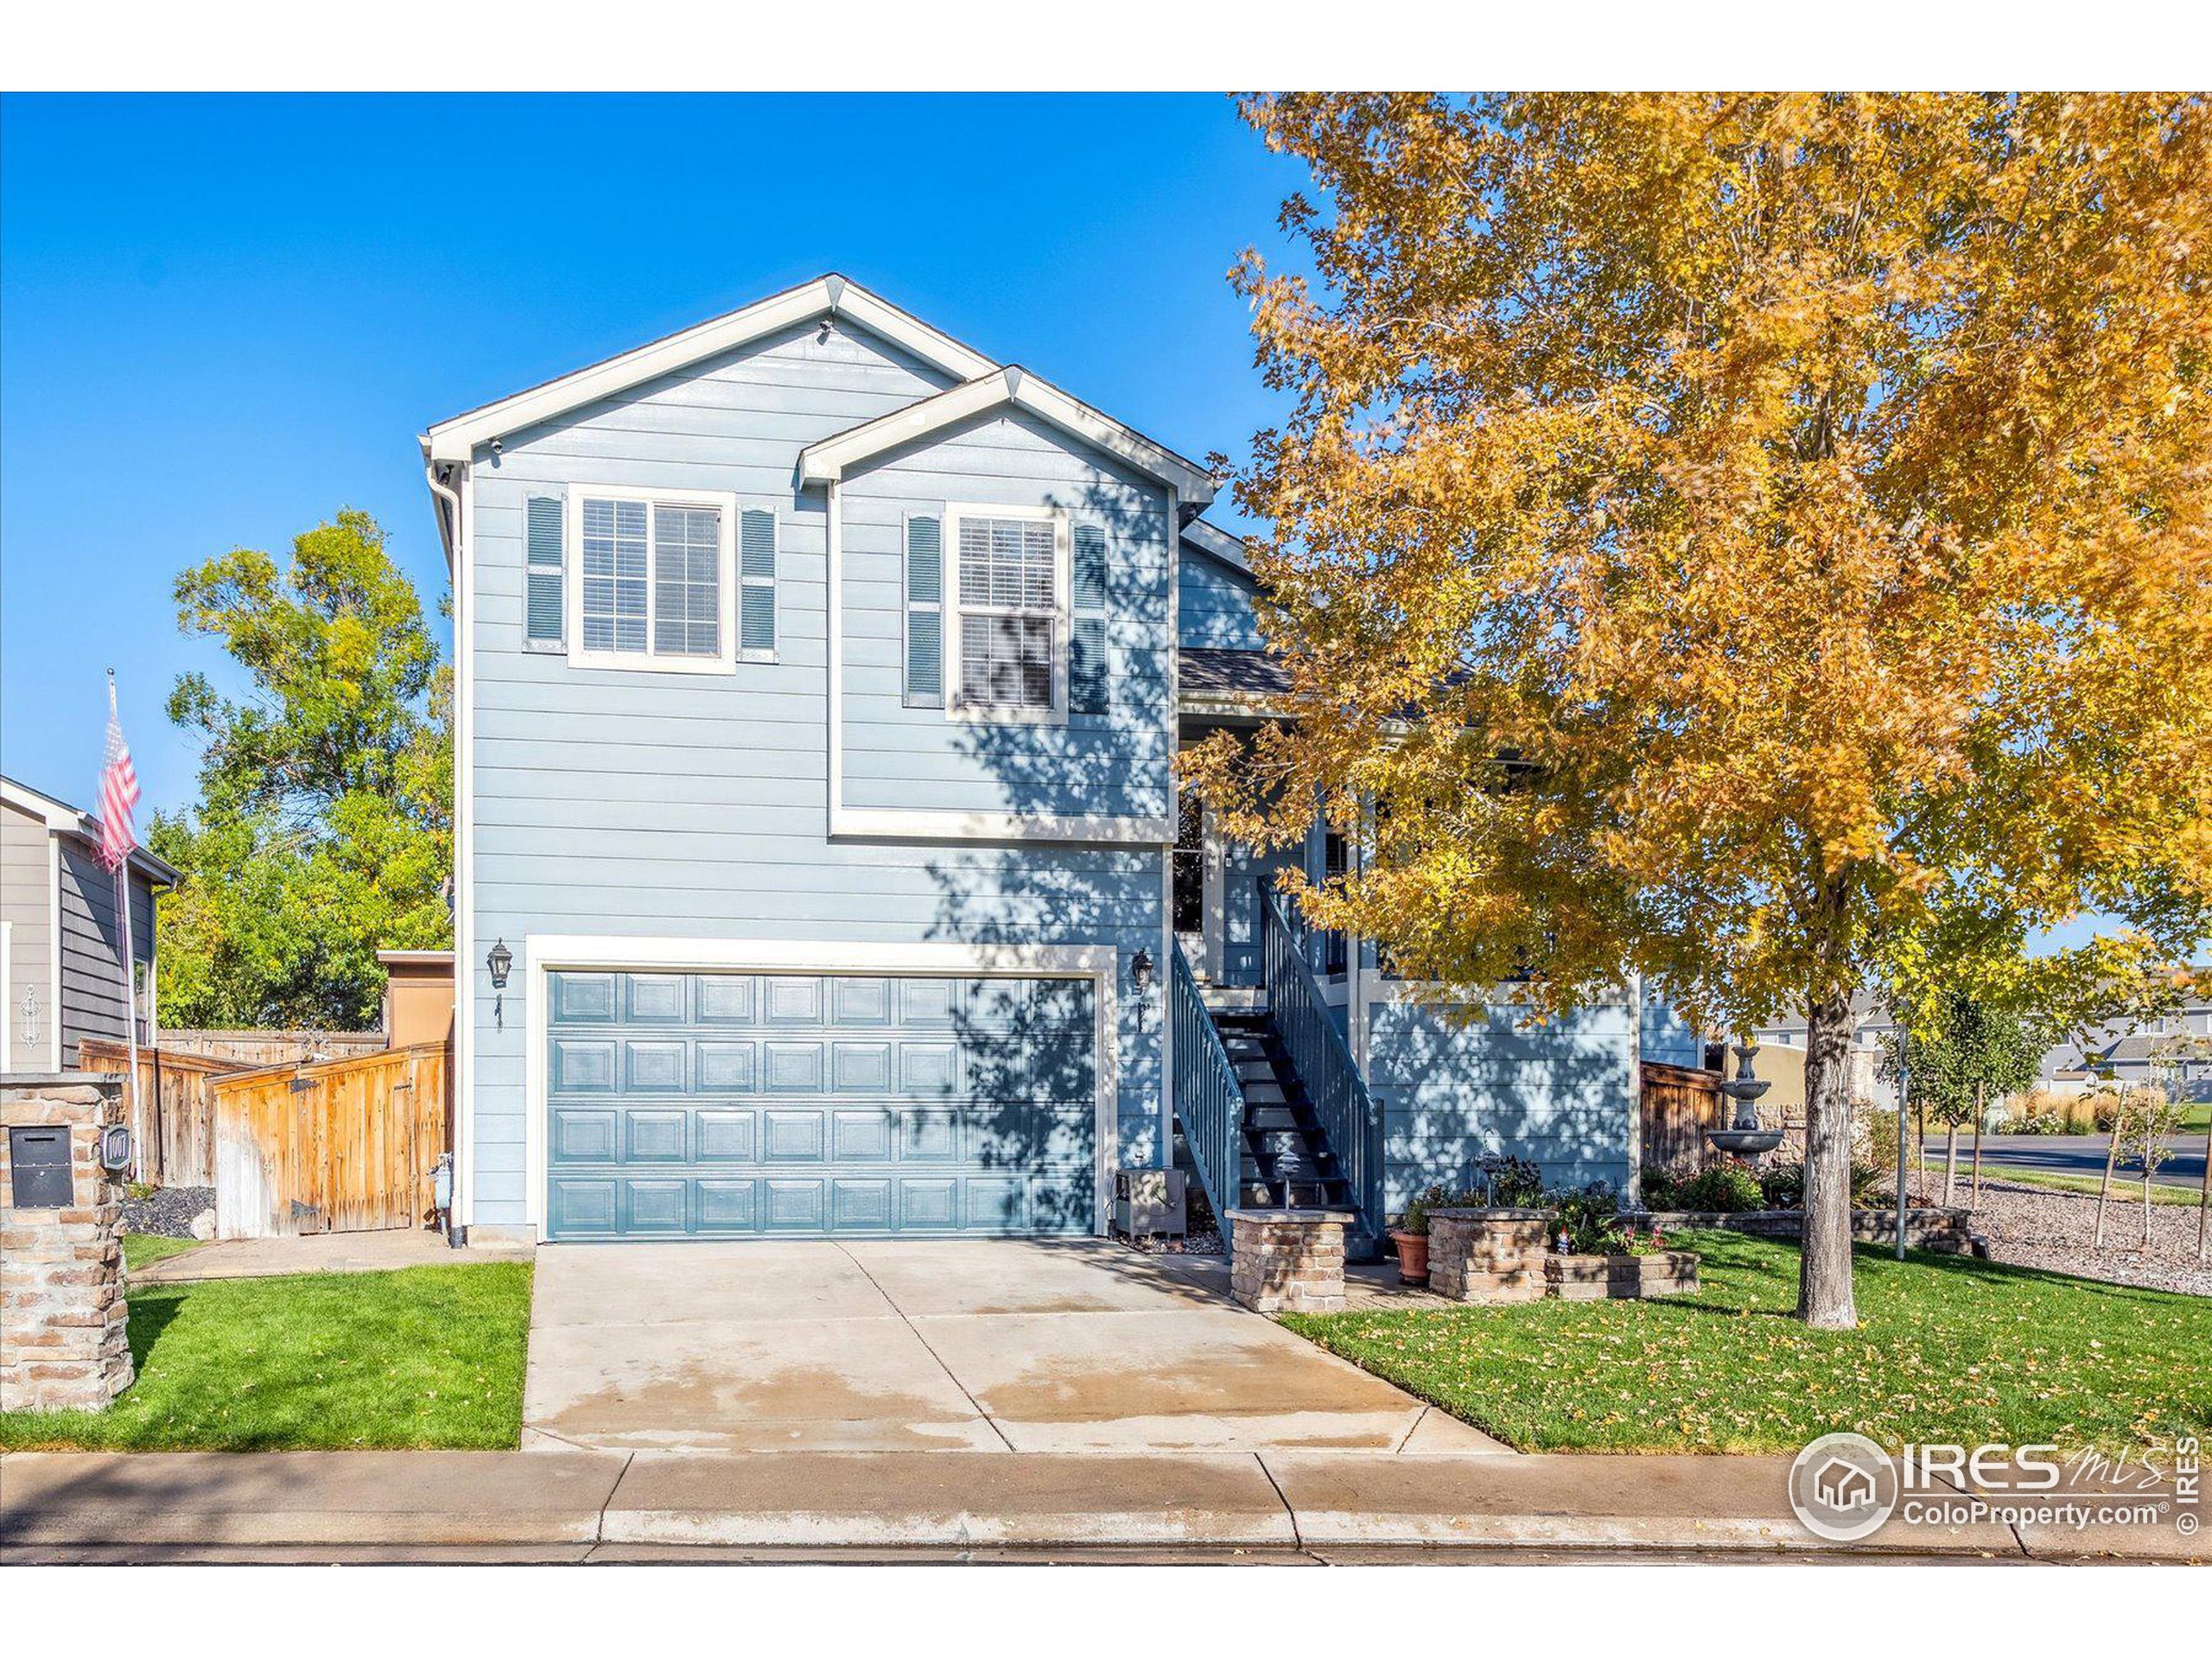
{"x":1981,"y":1111}
{"x":1824,"y":1289}
{"x":1950,"y":1163}
{"x":2146,"y":1204}
{"x":2204,"y":1194}
{"x":2104,"y":1189}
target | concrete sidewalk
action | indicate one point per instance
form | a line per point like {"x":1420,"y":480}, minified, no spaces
{"x":430,"y":1505}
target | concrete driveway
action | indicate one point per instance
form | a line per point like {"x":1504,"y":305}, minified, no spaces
{"x":967,"y":1345}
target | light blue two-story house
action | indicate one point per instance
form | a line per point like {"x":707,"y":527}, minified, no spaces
{"x":821,"y":866}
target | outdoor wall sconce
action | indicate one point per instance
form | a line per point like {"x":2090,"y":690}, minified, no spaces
{"x":1141,"y":977}
{"x":500,"y":960}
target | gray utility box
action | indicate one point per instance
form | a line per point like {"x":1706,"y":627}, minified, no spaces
{"x":1149,"y":1201}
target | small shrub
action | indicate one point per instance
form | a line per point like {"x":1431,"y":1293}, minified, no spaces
{"x":1661,"y":1187}
{"x":1508,"y":1183}
{"x":1725,"y":1187}
{"x":1589,"y":1217}
{"x":1782,"y":1187}
{"x":140,"y":1191}
{"x":1415,"y":1218}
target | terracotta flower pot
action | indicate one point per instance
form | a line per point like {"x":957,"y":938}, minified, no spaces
{"x":1413,"y":1257}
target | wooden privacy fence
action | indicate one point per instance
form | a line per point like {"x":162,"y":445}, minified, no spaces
{"x":1680,"y":1104}
{"x":172,"y":1110}
{"x":343,"y":1146}
{"x":244,"y":1048}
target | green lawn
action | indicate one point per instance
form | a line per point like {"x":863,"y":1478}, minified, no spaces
{"x":1950,"y":1348}
{"x":143,"y":1250}
{"x":428,"y":1356}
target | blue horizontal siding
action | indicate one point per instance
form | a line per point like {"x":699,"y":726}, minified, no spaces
{"x":696,"y":806}
{"x":1214,"y":605}
{"x":1453,"y":1091}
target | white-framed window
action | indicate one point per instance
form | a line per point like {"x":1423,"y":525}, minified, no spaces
{"x":653,"y":579}
{"x":1006,"y":648}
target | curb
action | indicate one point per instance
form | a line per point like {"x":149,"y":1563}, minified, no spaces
{"x":569,"y":1505}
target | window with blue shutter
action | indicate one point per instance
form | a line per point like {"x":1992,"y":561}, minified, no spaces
{"x":924,"y":613}
{"x":544,"y":624}
{"x":1088,"y":692}
{"x":756,"y":590}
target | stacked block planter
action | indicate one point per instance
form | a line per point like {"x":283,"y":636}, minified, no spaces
{"x":1505,"y":1256}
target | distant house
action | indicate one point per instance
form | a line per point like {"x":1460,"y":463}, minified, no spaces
{"x":2174,"y":1050}
{"x":61,"y":952}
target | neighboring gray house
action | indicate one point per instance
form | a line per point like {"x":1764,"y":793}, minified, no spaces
{"x":2171,"y":1051}
{"x":819,"y":682}
{"x":53,"y":887}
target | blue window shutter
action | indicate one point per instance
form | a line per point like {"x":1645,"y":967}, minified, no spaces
{"x":924,"y":612}
{"x":1089,"y":568}
{"x":1088,"y":692}
{"x":544,"y":614}
{"x":756,"y":572}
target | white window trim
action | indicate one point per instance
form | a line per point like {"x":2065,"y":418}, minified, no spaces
{"x":647,"y":662}
{"x":955,"y":708}
{"x":545,"y":954}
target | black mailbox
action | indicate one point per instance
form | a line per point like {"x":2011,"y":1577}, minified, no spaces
{"x":39,"y":1160}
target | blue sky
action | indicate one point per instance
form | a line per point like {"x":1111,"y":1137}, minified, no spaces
{"x":222,"y":318}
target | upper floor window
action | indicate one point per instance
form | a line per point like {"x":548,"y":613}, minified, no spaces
{"x":655,"y":583}
{"x":1010,"y":609}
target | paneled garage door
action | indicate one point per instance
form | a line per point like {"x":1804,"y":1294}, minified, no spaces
{"x":733,"y":1105}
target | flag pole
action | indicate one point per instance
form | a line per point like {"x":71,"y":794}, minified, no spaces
{"x":130,"y":957}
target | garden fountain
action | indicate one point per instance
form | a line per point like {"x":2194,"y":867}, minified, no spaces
{"x":1743,"y":1138}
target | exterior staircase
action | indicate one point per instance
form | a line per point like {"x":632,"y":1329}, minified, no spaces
{"x":1287,"y":1162}
{"x":1271,"y":1111}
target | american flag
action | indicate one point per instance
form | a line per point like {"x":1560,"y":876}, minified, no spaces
{"x":118,"y":792}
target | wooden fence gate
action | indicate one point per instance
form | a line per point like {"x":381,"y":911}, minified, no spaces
{"x":342,"y":1146}
{"x":1680,"y":1104}
{"x":172,"y":1110}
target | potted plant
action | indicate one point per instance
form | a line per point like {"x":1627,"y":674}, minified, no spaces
{"x":1411,"y":1236}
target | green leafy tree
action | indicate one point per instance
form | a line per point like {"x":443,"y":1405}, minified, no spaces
{"x":323,"y":831}
{"x":1965,"y":1052}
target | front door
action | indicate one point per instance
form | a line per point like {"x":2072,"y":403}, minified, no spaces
{"x":1196,"y":878}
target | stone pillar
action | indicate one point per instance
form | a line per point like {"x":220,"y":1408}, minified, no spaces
{"x":1487,"y":1256}
{"x":63,"y":1326}
{"x":1289,"y":1261}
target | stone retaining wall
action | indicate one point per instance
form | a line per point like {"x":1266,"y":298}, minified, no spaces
{"x":1935,"y":1228}
{"x":1620,"y":1278}
{"x":1287,"y":1261}
{"x":64,"y":1323}
{"x":1487,"y":1256}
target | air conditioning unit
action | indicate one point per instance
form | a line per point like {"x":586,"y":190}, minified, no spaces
{"x":1149,"y":1201}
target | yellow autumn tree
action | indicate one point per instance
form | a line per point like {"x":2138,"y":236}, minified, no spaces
{"x":1755,"y":541}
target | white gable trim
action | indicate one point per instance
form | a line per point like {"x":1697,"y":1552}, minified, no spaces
{"x":1212,"y":540}
{"x":829,"y":295}
{"x":64,"y":819}
{"x":825,"y":463}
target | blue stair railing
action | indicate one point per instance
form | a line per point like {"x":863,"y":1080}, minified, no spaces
{"x":1322,"y":1060}
{"x":1209,"y":1098}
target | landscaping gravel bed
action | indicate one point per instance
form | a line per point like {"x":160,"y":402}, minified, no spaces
{"x":2036,"y":1227}
{"x":167,"y":1212}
